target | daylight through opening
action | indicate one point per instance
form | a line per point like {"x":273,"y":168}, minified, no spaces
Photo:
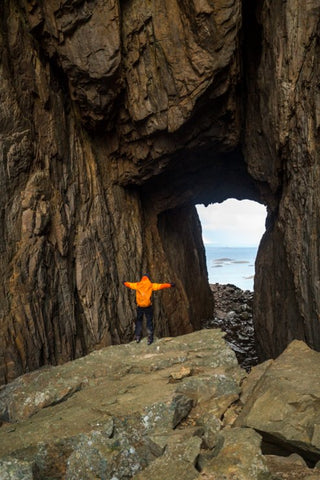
{"x":231,"y":232}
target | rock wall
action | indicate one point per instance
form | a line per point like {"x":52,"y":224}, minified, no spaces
{"x":116,"y":118}
{"x":282,"y":127}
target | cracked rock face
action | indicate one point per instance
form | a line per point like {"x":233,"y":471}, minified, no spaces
{"x":283,"y":130}
{"x":116,"y":118}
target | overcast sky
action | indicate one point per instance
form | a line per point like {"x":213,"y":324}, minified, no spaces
{"x":232,"y":223}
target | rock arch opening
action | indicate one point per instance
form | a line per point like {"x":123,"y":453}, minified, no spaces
{"x":103,"y":162}
{"x":231,"y":233}
{"x":206,"y":177}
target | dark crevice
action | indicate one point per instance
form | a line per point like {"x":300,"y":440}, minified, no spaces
{"x":79,"y":314}
{"x":272,"y":445}
{"x":251,"y":43}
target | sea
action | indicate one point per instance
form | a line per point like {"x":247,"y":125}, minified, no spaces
{"x":233,"y":265}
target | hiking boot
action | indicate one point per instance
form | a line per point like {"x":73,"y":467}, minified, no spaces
{"x":138,"y":339}
{"x":150,"y":340}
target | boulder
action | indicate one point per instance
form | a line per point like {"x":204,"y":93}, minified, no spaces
{"x":291,"y":467}
{"x":284,"y":404}
{"x":32,"y":392}
{"x":217,"y":391}
{"x":104,"y":454}
{"x":251,"y":380}
{"x":178,"y":462}
{"x":212,"y":426}
{"x":239,"y":457}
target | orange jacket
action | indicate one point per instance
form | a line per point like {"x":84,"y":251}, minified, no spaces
{"x":144,"y":290}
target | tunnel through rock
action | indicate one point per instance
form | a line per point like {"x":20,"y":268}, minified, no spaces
{"x":232,"y":231}
{"x":228,"y":229}
{"x":115,"y":121}
{"x":209,"y":178}
{"x":171,"y":196}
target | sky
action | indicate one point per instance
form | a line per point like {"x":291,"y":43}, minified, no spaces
{"x":233,"y":223}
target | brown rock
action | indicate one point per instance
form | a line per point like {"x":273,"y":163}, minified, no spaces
{"x":251,"y":381}
{"x":126,"y":418}
{"x":240,"y":457}
{"x":283,"y":406}
{"x":290,"y":468}
{"x":116,"y":118}
{"x":90,"y":57}
{"x":180,"y":374}
{"x":282,"y":131}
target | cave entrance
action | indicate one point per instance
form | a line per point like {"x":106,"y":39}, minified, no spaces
{"x":192,"y":178}
{"x":231,"y":233}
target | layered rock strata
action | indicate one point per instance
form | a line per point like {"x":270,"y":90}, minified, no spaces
{"x":116,"y":118}
{"x":282,"y":130}
{"x":93,"y":102}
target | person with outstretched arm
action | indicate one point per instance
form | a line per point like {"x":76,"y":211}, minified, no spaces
{"x":144,"y":290}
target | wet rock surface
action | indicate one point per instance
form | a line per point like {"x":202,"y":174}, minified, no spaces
{"x":233,"y":314}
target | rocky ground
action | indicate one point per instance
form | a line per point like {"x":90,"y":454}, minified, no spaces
{"x":233,"y":314}
{"x":181,"y":408}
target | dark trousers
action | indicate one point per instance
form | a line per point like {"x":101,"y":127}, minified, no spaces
{"x":148,"y":312}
